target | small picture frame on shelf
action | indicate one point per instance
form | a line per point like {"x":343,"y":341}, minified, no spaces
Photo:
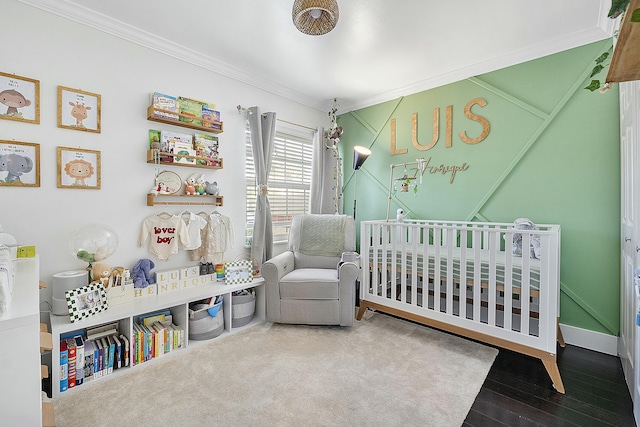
{"x":78,"y":168}
{"x":238,"y":272}
{"x":86,"y":301}
{"x":78,"y":110}
{"x":21,"y":98}
{"x":21,"y":162}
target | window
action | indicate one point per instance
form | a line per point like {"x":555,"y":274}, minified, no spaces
{"x":289,"y":181}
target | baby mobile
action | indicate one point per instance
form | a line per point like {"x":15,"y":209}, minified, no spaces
{"x":407,"y":182}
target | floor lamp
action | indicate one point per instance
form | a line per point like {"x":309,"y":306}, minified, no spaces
{"x":360,"y":154}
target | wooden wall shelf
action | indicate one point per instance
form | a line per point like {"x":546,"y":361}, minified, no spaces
{"x":183,"y":199}
{"x":151,"y":159}
{"x":219,"y":126}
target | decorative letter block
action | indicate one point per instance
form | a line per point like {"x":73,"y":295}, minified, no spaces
{"x":189,"y":272}
{"x":167,"y":276}
{"x":146,"y":292}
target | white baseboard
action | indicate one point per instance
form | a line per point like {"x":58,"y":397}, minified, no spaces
{"x":597,"y":341}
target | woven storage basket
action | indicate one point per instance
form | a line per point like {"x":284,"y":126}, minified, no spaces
{"x":203,"y":326}
{"x":242,"y":309}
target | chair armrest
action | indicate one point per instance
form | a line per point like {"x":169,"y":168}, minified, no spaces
{"x":274,"y":269}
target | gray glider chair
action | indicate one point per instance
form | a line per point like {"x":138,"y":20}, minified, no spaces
{"x":313,"y":282}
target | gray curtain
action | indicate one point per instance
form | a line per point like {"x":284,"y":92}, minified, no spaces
{"x":326,"y":176}
{"x":263,"y":130}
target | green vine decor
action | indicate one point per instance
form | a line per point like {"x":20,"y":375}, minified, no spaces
{"x":595,"y":83}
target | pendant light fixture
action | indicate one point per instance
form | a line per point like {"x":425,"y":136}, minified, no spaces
{"x":315,"y":17}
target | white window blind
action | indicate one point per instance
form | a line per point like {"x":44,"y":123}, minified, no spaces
{"x":289,"y":181}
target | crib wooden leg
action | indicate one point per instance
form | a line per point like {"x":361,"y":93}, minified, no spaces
{"x":560,"y":338}
{"x":554,"y":373}
{"x":361,"y":310}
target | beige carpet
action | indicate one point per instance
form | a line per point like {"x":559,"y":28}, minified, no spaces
{"x":381,"y":372}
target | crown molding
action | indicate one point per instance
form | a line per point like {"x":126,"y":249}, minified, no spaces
{"x":604,"y":28}
{"x":114,"y":27}
{"x":582,"y":38}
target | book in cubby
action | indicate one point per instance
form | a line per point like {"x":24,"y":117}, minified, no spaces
{"x":154,"y":335}
{"x":89,"y":354}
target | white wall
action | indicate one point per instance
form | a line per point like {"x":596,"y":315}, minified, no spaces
{"x":56,"y":51}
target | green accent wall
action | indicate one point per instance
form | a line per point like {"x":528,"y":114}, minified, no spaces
{"x":552,"y":155}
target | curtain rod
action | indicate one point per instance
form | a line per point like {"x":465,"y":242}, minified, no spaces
{"x":241,"y":109}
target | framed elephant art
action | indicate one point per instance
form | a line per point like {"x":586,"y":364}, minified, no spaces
{"x":19,"y":164}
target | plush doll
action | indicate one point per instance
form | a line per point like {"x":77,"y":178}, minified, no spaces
{"x":190,"y":185}
{"x":212,"y":188}
{"x":141,"y":273}
{"x":100,"y":273}
{"x":200,"y":184}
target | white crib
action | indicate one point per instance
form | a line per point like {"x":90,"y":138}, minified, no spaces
{"x":463,"y":277}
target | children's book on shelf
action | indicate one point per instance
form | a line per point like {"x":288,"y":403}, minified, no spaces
{"x":64,"y":366}
{"x":79,"y":359}
{"x":154,"y":138}
{"x":168,"y":141}
{"x":184,"y":152}
{"x":206,"y":147}
{"x":126,"y":349}
{"x":211,"y":118}
{"x":98,"y":342}
{"x":118,"y":360}
{"x":191,"y":110}
{"x":88,"y":360}
{"x":165,"y":102}
{"x":96,"y":360}
{"x":112,"y":353}
{"x":71,"y":348}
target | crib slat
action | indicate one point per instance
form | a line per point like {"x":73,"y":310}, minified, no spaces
{"x":492,"y":245}
{"x":477,"y":289}
{"x":450,"y":266}
{"x":525,"y":284}
{"x":414,"y":237}
{"x":508,"y":282}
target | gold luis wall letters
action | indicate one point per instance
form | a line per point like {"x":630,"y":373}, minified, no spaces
{"x":486,"y":127}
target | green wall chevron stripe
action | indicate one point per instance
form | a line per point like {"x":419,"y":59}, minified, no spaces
{"x":515,"y":101}
{"x":557,"y":167}
{"x":548,"y":118}
{"x":592,"y":311}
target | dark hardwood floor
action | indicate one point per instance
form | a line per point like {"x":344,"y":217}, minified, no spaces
{"x":518,"y":392}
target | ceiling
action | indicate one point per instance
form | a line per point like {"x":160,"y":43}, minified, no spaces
{"x":380,"y":50}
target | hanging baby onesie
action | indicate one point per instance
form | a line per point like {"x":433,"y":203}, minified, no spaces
{"x":165,"y":232}
{"x":195,"y":224}
{"x":217,"y":237}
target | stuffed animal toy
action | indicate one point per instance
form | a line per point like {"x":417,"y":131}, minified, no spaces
{"x":200,"y":184}
{"x":534,"y":241}
{"x":100,"y":273}
{"x":212,"y":188}
{"x":190,"y":185}
{"x":141,"y":273}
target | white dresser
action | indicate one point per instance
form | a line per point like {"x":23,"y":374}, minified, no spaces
{"x":20,"y":387}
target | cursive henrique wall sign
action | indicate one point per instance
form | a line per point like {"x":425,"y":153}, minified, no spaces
{"x":445,"y":169}
{"x":486,"y":127}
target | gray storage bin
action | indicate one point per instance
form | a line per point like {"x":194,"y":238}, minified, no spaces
{"x":242,"y":309}
{"x":203,"y":326}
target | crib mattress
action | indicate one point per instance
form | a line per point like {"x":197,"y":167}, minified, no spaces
{"x":485,"y":268}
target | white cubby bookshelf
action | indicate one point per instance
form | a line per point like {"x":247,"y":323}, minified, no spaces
{"x":177,"y":302}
